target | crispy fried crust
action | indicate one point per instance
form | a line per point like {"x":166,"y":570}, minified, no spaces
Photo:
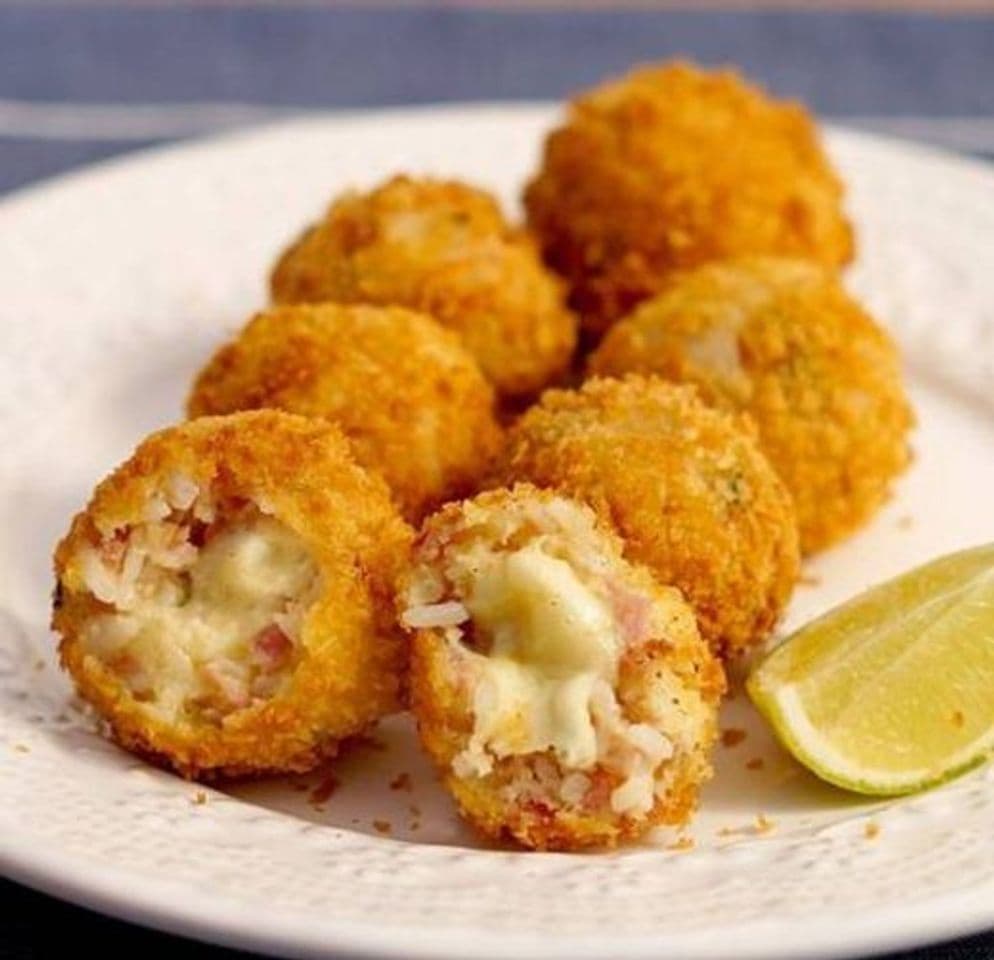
{"x":353,"y":654}
{"x":444,"y":248}
{"x":820,"y":378}
{"x":402,"y":388}
{"x":441,"y":700}
{"x":674,"y":166}
{"x":686,"y":486}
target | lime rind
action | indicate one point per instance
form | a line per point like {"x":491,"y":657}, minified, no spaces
{"x":875,"y":669}
{"x":800,"y":738}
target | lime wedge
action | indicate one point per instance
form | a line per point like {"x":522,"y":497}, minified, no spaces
{"x":893,"y":691}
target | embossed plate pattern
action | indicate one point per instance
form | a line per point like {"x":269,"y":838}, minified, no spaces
{"x":116,"y":284}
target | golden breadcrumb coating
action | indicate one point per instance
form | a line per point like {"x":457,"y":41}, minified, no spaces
{"x":149,"y":626}
{"x":442,"y":247}
{"x":653,"y":710}
{"x":673,"y":166}
{"x":686,"y":486}
{"x":403,"y":389}
{"x":782,"y":341}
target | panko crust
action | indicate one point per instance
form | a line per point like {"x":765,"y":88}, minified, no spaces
{"x":819,"y":377}
{"x":442,"y":705}
{"x":672,"y":166}
{"x":403,"y":389}
{"x":685,"y":485}
{"x":445,"y":248}
{"x":354,"y":653}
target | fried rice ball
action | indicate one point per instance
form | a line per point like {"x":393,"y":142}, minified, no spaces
{"x":442,"y":247}
{"x":225,"y":601}
{"x":686,"y":486}
{"x":673,"y":166}
{"x":782,"y":341}
{"x":566,"y":697}
{"x":403,"y":389}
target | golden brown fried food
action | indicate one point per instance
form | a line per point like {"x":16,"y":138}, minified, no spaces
{"x":403,"y":389}
{"x":566,"y":697}
{"x":686,"y":486}
{"x":782,"y":341}
{"x":444,"y":248}
{"x":674,"y":166}
{"x":225,"y":600}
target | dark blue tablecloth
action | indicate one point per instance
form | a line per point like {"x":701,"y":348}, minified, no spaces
{"x":82,"y":81}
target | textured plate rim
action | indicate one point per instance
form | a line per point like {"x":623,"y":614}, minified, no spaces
{"x":161,"y":906}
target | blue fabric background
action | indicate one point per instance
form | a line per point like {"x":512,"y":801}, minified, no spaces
{"x":932,"y":76}
{"x":876,"y":65}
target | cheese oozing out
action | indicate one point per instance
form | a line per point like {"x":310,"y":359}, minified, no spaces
{"x":214,"y":631}
{"x":552,"y":640}
{"x":546,"y":681}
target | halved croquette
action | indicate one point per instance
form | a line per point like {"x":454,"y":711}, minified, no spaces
{"x":566,"y":697}
{"x":225,"y":599}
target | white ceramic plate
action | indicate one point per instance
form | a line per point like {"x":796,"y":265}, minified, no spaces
{"x":116,"y":283}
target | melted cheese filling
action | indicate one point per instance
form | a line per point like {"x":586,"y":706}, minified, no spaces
{"x":217,"y":632}
{"x":552,"y":639}
{"x":547,"y":680}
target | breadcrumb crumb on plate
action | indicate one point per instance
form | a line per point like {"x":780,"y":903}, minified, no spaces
{"x":732,"y":736}
{"x":401,"y":782}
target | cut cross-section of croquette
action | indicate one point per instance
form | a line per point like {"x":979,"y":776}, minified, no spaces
{"x":567,"y":698}
{"x":224,"y":601}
